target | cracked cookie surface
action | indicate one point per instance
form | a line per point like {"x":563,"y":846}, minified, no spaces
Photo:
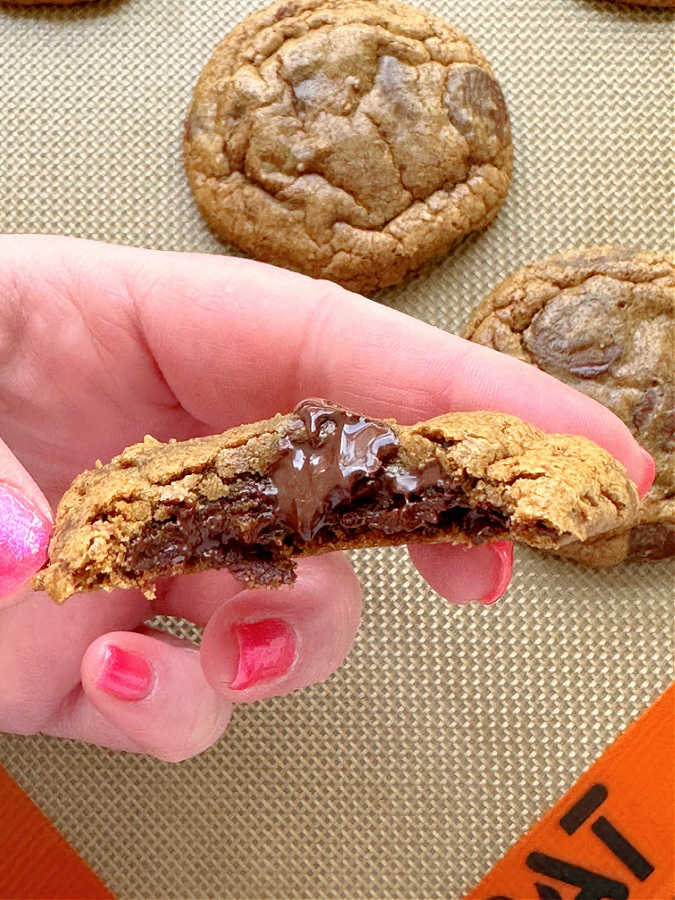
{"x":602,"y":320}
{"x":324,"y":478}
{"x":353,"y":140}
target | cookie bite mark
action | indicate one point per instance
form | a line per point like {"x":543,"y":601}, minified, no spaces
{"x":325,"y":478}
{"x":334,"y":137}
{"x":602,"y":320}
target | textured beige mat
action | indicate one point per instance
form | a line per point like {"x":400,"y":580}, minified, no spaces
{"x":449,"y":729}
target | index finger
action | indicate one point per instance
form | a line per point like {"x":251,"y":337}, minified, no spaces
{"x":272,"y":337}
{"x":238,"y":340}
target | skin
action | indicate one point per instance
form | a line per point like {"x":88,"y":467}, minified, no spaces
{"x":102,"y":344}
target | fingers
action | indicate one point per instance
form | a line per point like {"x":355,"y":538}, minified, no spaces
{"x":147,"y":695}
{"x":25,"y":526}
{"x":265,"y":643}
{"x":465,"y":574}
{"x":151,"y":693}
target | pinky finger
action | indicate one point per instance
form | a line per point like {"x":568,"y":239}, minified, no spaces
{"x":465,"y":574}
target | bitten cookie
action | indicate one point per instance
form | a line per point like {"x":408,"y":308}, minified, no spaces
{"x":324,"y":478}
{"x":353,"y":140}
{"x":601,"y":320}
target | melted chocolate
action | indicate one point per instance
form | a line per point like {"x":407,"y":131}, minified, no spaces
{"x":320,"y":472}
{"x":207,"y":532}
{"x":336,"y":482}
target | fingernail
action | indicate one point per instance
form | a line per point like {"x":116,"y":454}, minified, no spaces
{"x":125,"y":675}
{"x":24,"y":539}
{"x":650,"y":472}
{"x":503,"y":559}
{"x":266,"y":651}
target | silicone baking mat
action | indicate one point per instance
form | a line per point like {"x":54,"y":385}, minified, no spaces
{"x":449,"y":730}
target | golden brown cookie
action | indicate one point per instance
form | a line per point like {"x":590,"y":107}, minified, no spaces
{"x":663,"y":4}
{"x":42,"y":2}
{"x":353,"y":140}
{"x":601,"y":319}
{"x":323,"y":478}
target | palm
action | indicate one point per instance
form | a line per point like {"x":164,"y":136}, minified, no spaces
{"x":80,"y":383}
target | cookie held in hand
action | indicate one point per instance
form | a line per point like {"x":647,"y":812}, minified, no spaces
{"x":602,"y":320}
{"x":324,"y":478}
{"x":354,"y":140}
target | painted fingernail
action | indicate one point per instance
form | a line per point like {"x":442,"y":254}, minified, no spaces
{"x":266,"y":651}
{"x":125,"y":675}
{"x":24,"y":538}
{"x":650,"y":472}
{"x":503,"y":557}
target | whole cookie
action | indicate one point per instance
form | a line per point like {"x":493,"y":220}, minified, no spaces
{"x":601,"y":319}
{"x":353,"y":140}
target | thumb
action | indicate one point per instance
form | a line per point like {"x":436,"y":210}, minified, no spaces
{"x":25,"y":526}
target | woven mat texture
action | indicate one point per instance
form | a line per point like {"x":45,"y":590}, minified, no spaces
{"x":448,"y":730}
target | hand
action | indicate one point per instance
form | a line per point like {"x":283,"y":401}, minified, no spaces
{"x":100,"y":345}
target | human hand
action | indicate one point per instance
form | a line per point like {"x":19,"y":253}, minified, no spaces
{"x":100,"y":345}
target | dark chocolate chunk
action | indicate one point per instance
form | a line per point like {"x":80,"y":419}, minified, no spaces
{"x":477,"y":109}
{"x":577,"y":332}
{"x":320,"y":472}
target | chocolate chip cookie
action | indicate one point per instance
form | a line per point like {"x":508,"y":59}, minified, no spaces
{"x":601,"y":320}
{"x":324,"y":478}
{"x":663,"y":4}
{"x":353,"y":140}
{"x":41,"y":2}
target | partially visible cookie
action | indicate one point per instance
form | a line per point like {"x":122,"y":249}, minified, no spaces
{"x":42,"y":2}
{"x":602,"y":320}
{"x":353,"y":140}
{"x":324,"y":478}
{"x":664,"y":4}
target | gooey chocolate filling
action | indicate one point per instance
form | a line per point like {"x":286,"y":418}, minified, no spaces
{"x":339,"y":481}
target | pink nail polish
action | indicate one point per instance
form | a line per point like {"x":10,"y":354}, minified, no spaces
{"x":650,"y":472}
{"x":125,"y":675}
{"x":24,"y":538}
{"x":266,"y":651}
{"x":503,"y":552}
